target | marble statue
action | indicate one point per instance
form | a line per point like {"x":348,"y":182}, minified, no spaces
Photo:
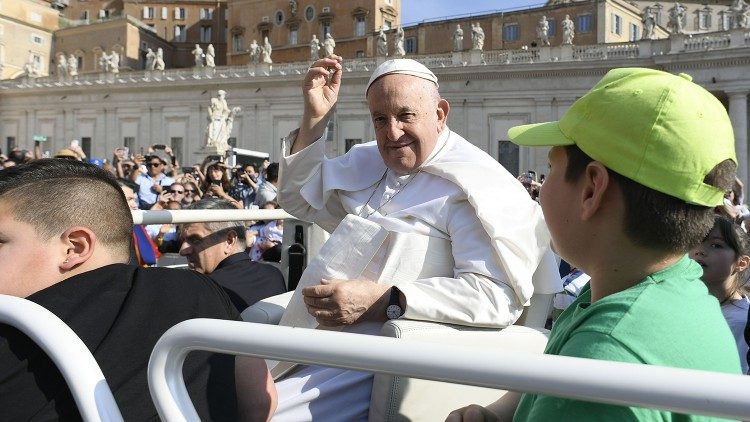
{"x":458,"y":38}
{"x":649,"y":23}
{"x":677,"y":18}
{"x":740,"y":12}
{"x":220,"y":122}
{"x":114,"y":62}
{"x":382,"y":44}
{"x":477,"y":37}
{"x":265,"y":51}
{"x":150,"y":59}
{"x":198,"y":55}
{"x":62,"y":66}
{"x":210,"y":56}
{"x":72,"y":65}
{"x":254,"y":52}
{"x":399,"y":43}
{"x":32,"y":68}
{"x":568,"y":30}
{"x":328,"y":45}
{"x":293,"y":7}
{"x":104,"y":62}
{"x":542,"y":31}
{"x":314,"y":48}
{"x":159,"y":61}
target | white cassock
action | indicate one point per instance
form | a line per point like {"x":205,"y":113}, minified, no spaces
{"x":460,"y":201}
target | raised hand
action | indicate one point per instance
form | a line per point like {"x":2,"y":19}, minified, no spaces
{"x":320,"y":91}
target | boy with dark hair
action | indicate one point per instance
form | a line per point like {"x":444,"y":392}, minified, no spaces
{"x":636,"y":167}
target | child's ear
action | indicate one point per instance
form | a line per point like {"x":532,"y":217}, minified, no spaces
{"x":741,"y":264}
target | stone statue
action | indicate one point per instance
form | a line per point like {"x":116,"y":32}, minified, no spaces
{"x":399,"y":43}
{"x":458,"y":38}
{"x":740,"y":12}
{"x":150,"y":59}
{"x":114,"y":62}
{"x":568,"y":30}
{"x":62,"y":66}
{"x":220,"y":122}
{"x":198,"y":55}
{"x":542,"y":31}
{"x":328,"y":45}
{"x":31,"y":68}
{"x":104,"y":62}
{"x":314,"y":48}
{"x":72,"y":66}
{"x":254,"y":52}
{"x":477,"y":37}
{"x":159,"y":61}
{"x":265,"y":51}
{"x":210,"y":56}
{"x":649,"y":23}
{"x":677,"y":18}
{"x":293,"y":7}
{"x":382,"y":41}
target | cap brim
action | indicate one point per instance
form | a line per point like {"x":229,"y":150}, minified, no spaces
{"x":538,"y":135}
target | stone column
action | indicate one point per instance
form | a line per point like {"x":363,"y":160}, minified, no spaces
{"x":738,"y":115}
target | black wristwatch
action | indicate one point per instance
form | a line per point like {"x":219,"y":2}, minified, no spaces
{"x":394,"y":311}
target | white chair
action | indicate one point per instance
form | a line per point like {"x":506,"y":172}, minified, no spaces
{"x":72,"y":357}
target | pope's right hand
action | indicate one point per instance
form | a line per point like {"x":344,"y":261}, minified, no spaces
{"x":320,"y":91}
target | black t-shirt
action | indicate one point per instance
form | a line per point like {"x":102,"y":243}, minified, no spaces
{"x":119,"y":311}
{"x":246,"y":281}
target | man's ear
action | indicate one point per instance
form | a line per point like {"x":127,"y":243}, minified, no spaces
{"x":443,"y":108}
{"x":79,"y":244}
{"x":231,"y":241}
{"x":595,"y":182}
{"x":741,"y":264}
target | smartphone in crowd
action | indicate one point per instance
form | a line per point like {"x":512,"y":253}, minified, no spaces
{"x":159,"y":146}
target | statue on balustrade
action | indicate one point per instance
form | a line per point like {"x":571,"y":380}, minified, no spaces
{"x":72,"y":66}
{"x":210,"y":56}
{"x":677,"y":15}
{"x":150,"y":59}
{"x":399,"y":43}
{"x":293,"y":7}
{"x":104,"y":62}
{"x":62,"y":66}
{"x":477,"y":37}
{"x":542,"y":31}
{"x":159,"y":61}
{"x":649,"y":24}
{"x":314,"y":48}
{"x":254,"y":52}
{"x":458,"y":38}
{"x":114,"y":62}
{"x":568,"y":31}
{"x":198,"y":55}
{"x":32,"y":68}
{"x":265,"y":51}
{"x":220,"y":122}
{"x":328,"y":45}
{"x":740,"y":12}
{"x":382,"y":44}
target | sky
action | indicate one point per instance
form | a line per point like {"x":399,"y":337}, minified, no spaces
{"x":415,"y":11}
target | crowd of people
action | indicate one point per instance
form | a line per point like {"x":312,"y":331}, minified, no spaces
{"x":643,"y":211}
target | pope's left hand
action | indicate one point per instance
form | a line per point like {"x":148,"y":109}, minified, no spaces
{"x":345,"y":302}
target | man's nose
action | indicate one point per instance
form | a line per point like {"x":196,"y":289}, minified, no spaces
{"x":394,"y":130}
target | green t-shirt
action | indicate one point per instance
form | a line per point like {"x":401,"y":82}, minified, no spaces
{"x":667,"y":319}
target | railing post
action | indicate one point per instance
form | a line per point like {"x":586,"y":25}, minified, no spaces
{"x":676,"y":43}
{"x":644,"y":49}
{"x":297,"y":258}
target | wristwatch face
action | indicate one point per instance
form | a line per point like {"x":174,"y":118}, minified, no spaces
{"x":393,"y":311}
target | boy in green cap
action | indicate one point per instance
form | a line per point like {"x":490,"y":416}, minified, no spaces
{"x":636,"y":167}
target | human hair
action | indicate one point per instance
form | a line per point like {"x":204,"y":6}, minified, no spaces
{"x":224,"y":179}
{"x":214,"y":226}
{"x":272,"y":172}
{"x":53,"y":195}
{"x":733,"y":235}
{"x":654,"y":219}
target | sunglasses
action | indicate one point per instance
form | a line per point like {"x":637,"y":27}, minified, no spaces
{"x":176,"y":191}
{"x":190,"y":190}
{"x":153,"y":164}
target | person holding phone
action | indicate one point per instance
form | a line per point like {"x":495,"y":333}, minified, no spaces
{"x":151,"y":184}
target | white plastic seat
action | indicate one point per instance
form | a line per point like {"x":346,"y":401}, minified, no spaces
{"x":74,"y":360}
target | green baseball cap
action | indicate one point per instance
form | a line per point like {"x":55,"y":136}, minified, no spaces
{"x":658,"y":129}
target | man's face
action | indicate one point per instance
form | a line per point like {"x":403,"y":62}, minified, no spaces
{"x":154,"y":167}
{"x":130,"y":197}
{"x":177,"y":191}
{"x":27,"y":261}
{"x":556,"y":198}
{"x":408,"y":119}
{"x":204,"y":250}
{"x":716,"y":258}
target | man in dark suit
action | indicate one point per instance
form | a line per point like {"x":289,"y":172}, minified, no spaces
{"x":217,"y":249}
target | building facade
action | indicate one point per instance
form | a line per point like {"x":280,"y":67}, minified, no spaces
{"x":26,"y":34}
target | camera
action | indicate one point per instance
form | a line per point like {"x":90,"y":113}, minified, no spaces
{"x":159,"y":146}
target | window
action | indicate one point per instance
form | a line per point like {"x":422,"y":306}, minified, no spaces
{"x":36,"y":17}
{"x":205,"y":34}
{"x":410,"y":45}
{"x":10,"y":143}
{"x":226,"y":14}
{"x":86,"y":145}
{"x":387,"y":25}
{"x":726,"y":21}
{"x":584,"y":23}
{"x":179,"y":33}
{"x":207,"y":13}
{"x":704,"y":18}
{"x":616,"y":24}
{"x":180,"y":13}
{"x":633,"y":33}
{"x":293,"y":36}
{"x":36,"y":39}
{"x":325,"y":28}
{"x":349,"y":143}
{"x":164,"y":13}
{"x":656,"y":9}
{"x":309,"y":13}
{"x":103,"y":13}
{"x":359,"y":26}
{"x":279,"y":17}
{"x":129,"y":142}
{"x":80,"y":62}
{"x":176,"y":145}
{"x":552,"y":27}
{"x":359,"y":54}
{"x":237,"y":40}
{"x":510,"y":32}
{"x":148,"y":12}
{"x":264,"y":33}
{"x":85,"y":15}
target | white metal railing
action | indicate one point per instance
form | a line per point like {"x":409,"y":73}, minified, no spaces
{"x":71,"y":356}
{"x":205,"y":216}
{"x":673,"y":389}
